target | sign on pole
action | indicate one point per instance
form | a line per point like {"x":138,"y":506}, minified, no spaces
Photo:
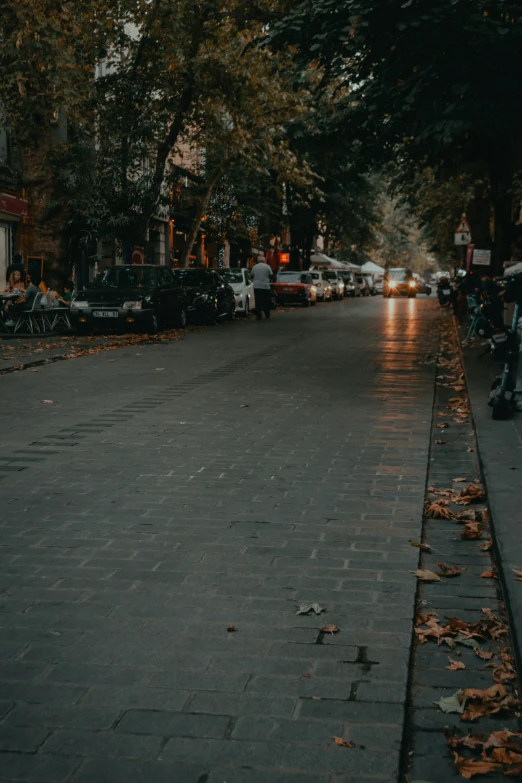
{"x":463,"y":232}
{"x":482,"y":257}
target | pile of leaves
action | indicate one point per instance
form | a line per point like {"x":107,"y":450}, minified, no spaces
{"x":498,"y":751}
{"x":472,"y":519}
{"x":455,"y":631}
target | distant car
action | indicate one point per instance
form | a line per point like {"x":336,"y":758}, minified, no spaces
{"x":241,"y":282}
{"x":129,"y":298}
{"x":351,"y":286}
{"x":295,"y":288}
{"x":210,"y":298}
{"x":322,"y":284}
{"x":399,"y":281}
{"x":336,"y":281}
{"x":363,"y":285}
{"x":423,"y":288}
{"x":379,"y":284}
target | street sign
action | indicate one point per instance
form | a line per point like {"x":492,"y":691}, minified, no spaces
{"x":482,"y":257}
{"x":463,"y":227}
{"x":463,"y":238}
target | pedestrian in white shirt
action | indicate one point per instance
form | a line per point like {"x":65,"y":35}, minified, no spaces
{"x":262,"y":275}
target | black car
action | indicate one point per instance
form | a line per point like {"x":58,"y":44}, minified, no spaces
{"x":210,"y":298}
{"x":126,"y":298}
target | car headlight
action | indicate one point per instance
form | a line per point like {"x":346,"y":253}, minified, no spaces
{"x":393,"y":283}
{"x":132,"y":305}
{"x":79,"y":305}
{"x":412,"y":283}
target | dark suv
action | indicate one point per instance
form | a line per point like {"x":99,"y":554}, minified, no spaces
{"x":210,"y":298}
{"x":125,"y":298}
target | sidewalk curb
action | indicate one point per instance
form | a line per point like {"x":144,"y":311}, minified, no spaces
{"x":503,"y":517}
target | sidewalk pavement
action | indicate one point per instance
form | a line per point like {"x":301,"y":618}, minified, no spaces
{"x":500,"y":446}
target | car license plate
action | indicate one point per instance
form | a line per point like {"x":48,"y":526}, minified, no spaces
{"x":105,"y":313}
{"x":288,"y":290}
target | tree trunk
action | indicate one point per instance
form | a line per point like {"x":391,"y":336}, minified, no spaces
{"x":201,"y":208}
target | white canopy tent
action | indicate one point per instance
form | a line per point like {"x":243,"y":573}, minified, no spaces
{"x":372,"y":268}
{"x":325,"y":262}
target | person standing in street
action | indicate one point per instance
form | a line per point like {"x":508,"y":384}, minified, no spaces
{"x":261,"y":276}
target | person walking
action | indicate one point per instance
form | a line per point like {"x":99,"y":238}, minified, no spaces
{"x":261,"y":276}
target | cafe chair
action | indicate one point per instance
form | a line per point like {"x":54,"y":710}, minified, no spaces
{"x":34,"y":319}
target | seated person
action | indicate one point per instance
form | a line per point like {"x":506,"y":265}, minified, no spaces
{"x":65,"y":300}
{"x":25,"y":302}
{"x":15,"y":283}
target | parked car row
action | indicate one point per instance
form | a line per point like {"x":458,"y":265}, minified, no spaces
{"x":149,"y":298}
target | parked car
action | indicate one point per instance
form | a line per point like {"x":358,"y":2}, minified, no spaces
{"x":422,"y":286}
{"x":126,"y":298}
{"x":322,"y":284}
{"x":241,"y":282}
{"x":363,"y":285}
{"x":295,"y":288}
{"x":399,"y":281}
{"x":379,"y":284}
{"x":336,"y":282}
{"x":351,"y":286}
{"x":210,"y":298}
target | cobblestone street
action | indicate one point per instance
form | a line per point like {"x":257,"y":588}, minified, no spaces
{"x":166,"y":509}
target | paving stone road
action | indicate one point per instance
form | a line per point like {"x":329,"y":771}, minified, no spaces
{"x":172,"y":492}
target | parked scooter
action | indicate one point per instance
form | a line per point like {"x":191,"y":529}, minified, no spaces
{"x":444,"y":292}
{"x":506,"y":391}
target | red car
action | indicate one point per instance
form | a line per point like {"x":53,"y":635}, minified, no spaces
{"x":295,"y":288}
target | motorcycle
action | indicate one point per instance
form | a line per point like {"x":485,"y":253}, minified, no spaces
{"x":506,"y":391}
{"x":444,"y":292}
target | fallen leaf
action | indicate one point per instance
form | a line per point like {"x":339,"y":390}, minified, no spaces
{"x":487,"y":546}
{"x":458,"y":480}
{"x":486,"y":656}
{"x":231,"y":628}
{"x":425,"y":547}
{"x":244,"y":406}
{"x":452,"y":703}
{"x":472,"y":530}
{"x":492,"y":574}
{"x":440,"y":442}
{"x":469,"y":449}
{"x":330,"y":629}
{"x":47,"y":402}
{"x":159,"y":369}
{"x":518,"y":573}
{"x":449,"y":571}
{"x":426,"y":576}
{"x":344,"y":743}
{"x":307,"y":676}
{"x":443,"y":426}
{"x":307,"y":608}
{"x":469,"y":767}
{"x":438,"y":510}
{"x":455,"y":665}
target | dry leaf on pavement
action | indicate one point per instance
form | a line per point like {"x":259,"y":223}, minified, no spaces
{"x":307,"y":608}
{"x":48,"y":402}
{"x":344,"y":743}
{"x":451,"y":570}
{"x":425,"y":547}
{"x":438,"y":510}
{"x":487,"y":546}
{"x":426,"y":576}
{"x":469,"y":767}
{"x":440,"y":442}
{"x":330,"y":629}
{"x":472,"y":530}
{"x":518,"y":573}
{"x":459,"y":480}
{"x":231,"y":628}
{"x":486,"y":656}
{"x":455,"y":665}
{"x":492,"y":574}
{"x":453,"y":703}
